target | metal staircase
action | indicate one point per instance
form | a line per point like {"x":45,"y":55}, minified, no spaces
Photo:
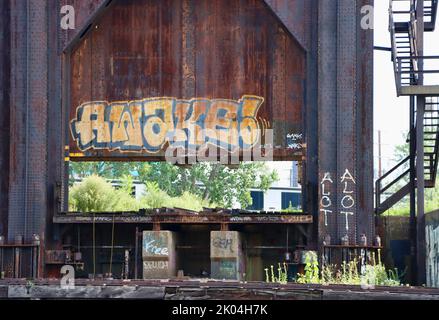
{"x":395,"y":184}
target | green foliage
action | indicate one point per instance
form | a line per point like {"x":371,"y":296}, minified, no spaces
{"x":291,"y":209}
{"x":93,"y":194}
{"x":108,"y":170}
{"x":155,"y":197}
{"x":282,"y":274}
{"x":213,"y":183}
{"x":374,"y":273}
{"x":311,"y":274}
{"x":190,"y":201}
{"x":125,"y":202}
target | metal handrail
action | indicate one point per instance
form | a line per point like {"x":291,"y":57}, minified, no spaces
{"x":394,"y":46}
{"x":415,"y":72}
{"x":412,"y":39}
{"x":379,"y":189}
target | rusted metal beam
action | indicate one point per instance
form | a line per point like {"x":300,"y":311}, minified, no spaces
{"x":163,"y":218}
{"x":86,"y":13}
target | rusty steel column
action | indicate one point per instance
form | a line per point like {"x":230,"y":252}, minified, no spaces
{"x":413,"y":242}
{"x":420,"y":177}
{"x":5,"y":67}
{"x":345,"y":123}
{"x":327,"y":121}
{"x":55,"y":133}
{"x":365,"y":129}
{"x":346,"y":119}
{"x":420,"y":183}
{"x":18,"y":102}
{"x":311,"y":126}
{"x":28,"y":142}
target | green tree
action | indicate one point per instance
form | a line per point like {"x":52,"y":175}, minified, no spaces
{"x":108,"y":170}
{"x":211,"y":182}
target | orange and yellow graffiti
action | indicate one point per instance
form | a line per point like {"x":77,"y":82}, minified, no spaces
{"x":150,"y":124}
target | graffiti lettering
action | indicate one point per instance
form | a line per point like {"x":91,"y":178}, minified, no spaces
{"x":325,"y":201}
{"x":347,"y":201}
{"x":294,"y":141}
{"x":151,"y":124}
{"x":154,"y":265}
{"x":152,"y":248}
{"x":223,"y":243}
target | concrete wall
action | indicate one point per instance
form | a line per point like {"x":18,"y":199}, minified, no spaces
{"x":159,"y":257}
{"x":395,"y":234}
{"x":397,"y":252}
{"x":226,"y":255}
{"x":432,"y":237}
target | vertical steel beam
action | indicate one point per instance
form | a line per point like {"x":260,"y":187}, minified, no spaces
{"x":28,"y":119}
{"x":5,"y":67}
{"x":327,"y":120}
{"x":55,"y":145}
{"x":364,"y":128}
{"x":310,"y":204}
{"x":18,"y":102}
{"x":420,"y":176}
{"x":420,"y":180}
{"x":346,"y":118}
{"x":413,"y":242}
{"x":345,"y":122}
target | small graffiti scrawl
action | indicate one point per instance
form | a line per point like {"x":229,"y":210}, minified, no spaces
{"x":149,"y":124}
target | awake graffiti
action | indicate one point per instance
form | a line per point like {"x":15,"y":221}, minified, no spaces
{"x":151,"y":124}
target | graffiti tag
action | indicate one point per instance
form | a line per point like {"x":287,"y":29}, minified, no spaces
{"x":223,"y":243}
{"x":150,"y":124}
{"x":152,"y":248}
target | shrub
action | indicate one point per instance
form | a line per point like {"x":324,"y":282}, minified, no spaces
{"x":155,"y":197}
{"x":125,"y":202}
{"x":93,"y":194}
{"x":189,"y":201}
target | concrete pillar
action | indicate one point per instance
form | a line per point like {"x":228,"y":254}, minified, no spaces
{"x":158,"y":252}
{"x":227,"y":261}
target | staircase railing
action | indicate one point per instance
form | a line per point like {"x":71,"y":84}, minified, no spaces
{"x":405,"y":66}
{"x":430,"y":14}
{"x":410,"y":77}
{"x":392,"y":31}
{"x":403,"y":27}
{"x":384,"y":184}
{"x":399,"y":31}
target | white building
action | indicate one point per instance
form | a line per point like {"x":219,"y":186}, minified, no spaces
{"x":284,"y":193}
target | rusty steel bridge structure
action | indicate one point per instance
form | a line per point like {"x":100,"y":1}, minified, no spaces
{"x":310,"y":60}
